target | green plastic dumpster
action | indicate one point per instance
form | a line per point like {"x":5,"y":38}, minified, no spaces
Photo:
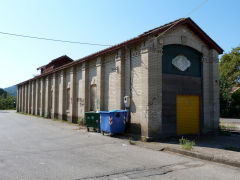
{"x":92,"y":120}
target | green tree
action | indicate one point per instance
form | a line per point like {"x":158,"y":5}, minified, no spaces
{"x":235,"y":104}
{"x":6,"y":100}
{"x":225,"y":97}
{"x":230,"y":67}
{"x":3,"y":93}
{"x":230,"y":77}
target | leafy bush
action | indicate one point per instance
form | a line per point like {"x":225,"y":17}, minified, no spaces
{"x":225,"y":97}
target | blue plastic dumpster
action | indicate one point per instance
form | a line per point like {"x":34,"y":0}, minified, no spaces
{"x":113,"y":121}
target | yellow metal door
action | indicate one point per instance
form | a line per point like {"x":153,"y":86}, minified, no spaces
{"x":188,"y":114}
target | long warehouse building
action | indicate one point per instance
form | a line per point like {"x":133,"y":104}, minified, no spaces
{"x":169,"y":74}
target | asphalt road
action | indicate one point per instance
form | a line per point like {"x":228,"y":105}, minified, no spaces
{"x":38,"y":148}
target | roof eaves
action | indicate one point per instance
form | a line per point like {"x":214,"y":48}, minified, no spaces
{"x":204,"y":36}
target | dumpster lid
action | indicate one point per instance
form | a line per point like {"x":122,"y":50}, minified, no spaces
{"x":118,"y":111}
{"x":112,"y":111}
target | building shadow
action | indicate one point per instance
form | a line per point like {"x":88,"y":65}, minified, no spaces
{"x":225,"y":140}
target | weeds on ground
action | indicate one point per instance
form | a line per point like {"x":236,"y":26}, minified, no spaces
{"x":47,"y":117}
{"x":226,"y":126}
{"x":61,"y":120}
{"x":226,"y":129}
{"x":224,"y":132}
{"x":186,"y":144}
{"x":80,"y":121}
{"x":131,"y":141}
{"x":30,"y":114}
{"x":22,"y":113}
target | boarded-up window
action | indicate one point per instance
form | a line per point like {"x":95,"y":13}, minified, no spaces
{"x":68,"y":98}
{"x":93,"y":97}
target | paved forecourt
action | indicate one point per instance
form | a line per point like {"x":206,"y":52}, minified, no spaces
{"x":38,"y":148}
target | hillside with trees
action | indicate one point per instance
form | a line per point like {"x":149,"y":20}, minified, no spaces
{"x":7,"y":101}
{"x":12,"y":90}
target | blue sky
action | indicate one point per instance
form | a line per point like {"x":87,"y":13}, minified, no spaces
{"x":97,"y":21}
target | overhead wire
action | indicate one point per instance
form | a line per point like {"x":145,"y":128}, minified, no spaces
{"x":51,"y":39}
{"x":188,"y":14}
{"x":96,"y":44}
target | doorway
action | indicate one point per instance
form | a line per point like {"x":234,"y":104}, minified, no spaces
{"x":188,"y":114}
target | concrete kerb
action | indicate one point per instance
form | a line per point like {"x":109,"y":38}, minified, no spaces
{"x":203,"y":156}
{"x":193,"y":154}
